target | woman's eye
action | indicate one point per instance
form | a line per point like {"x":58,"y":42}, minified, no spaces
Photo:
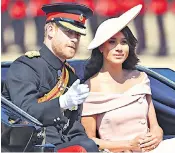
{"x":124,"y":42}
{"x":111,"y":41}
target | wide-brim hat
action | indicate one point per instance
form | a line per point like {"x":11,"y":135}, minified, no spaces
{"x":68,"y":15}
{"x":110,"y":27}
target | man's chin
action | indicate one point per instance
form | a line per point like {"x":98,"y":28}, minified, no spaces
{"x":71,"y":55}
{"x":72,"y":52}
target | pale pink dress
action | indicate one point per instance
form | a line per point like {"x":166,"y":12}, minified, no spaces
{"x":121,"y":116}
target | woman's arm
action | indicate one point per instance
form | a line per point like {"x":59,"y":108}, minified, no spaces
{"x":155,"y":135}
{"x":152,"y":119}
{"x":89,"y":123}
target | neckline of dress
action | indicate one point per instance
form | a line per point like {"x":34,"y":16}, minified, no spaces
{"x":103,"y":93}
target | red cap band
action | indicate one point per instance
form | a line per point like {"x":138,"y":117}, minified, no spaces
{"x":79,"y":18}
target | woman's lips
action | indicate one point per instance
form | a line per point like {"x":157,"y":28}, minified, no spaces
{"x":118,"y":55}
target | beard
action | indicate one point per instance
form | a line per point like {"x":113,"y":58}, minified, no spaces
{"x":63,"y":52}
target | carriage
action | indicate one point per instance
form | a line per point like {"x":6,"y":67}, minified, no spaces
{"x":20,"y":132}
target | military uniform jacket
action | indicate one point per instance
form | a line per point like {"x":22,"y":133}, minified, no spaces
{"x":31,"y":78}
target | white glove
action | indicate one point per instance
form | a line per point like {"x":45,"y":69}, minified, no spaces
{"x":75,"y":95}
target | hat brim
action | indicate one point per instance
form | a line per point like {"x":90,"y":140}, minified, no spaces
{"x":112,"y":26}
{"x":72,"y":27}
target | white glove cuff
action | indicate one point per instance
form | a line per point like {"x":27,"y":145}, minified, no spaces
{"x":62,"y":101}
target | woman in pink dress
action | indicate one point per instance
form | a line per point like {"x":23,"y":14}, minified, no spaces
{"x":119,"y":106}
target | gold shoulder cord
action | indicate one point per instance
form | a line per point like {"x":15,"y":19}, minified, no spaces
{"x":31,"y":54}
{"x":59,"y":88}
{"x":70,"y":67}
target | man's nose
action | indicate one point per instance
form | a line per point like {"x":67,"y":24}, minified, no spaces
{"x":74,"y":39}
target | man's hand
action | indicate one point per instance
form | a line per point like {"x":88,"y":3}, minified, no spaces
{"x":152,"y":139}
{"x":75,"y":95}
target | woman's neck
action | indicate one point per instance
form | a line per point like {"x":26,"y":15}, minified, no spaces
{"x":114,"y":70}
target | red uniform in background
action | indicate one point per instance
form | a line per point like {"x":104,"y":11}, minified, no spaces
{"x":89,"y":3}
{"x":159,"y":8}
{"x":64,"y":1}
{"x":5,"y":21}
{"x":128,"y":4}
{"x":103,"y":9}
{"x":4,"y":5}
{"x":138,"y":22}
{"x":108,"y":8}
{"x":172,"y":6}
{"x":35,"y":11}
{"x":34,"y":7}
{"x":17,"y":11}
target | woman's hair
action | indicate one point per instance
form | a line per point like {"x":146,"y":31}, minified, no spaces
{"x":95,"y":63}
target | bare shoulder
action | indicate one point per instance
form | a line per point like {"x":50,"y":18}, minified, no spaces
{"x":137,"y":75}
{"x":92,"y":79}
{"x":93,"y":82}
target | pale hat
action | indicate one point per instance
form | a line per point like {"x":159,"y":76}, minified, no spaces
{"x":110,"y":27}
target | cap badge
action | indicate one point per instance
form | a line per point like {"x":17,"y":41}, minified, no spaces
{"x":81,"y":17}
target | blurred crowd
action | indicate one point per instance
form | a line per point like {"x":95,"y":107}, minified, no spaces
{"x":16,"y":12}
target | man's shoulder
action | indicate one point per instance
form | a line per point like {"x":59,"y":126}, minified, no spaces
{"x":24,"y":67}
{"x":24,"y":61}
{"x":32,"y":58}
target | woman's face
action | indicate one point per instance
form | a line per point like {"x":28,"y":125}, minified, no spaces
{"x":116,"y":49}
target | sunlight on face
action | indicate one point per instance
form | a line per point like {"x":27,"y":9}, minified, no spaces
{"x":65,"y":43}
{"x":115,"y":49}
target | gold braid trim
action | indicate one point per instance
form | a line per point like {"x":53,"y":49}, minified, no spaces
{"x":59,"y":88}
{"x":31,"y":54}
{"x":72,"y":27}
{"x":70,"y":67}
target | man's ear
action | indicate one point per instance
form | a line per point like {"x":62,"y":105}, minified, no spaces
{"x":51,"y":31}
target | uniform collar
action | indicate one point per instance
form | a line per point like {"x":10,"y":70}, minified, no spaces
{"x":50,"y":58}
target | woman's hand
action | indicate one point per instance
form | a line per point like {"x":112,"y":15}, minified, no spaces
{"x":135,"y":143}
{"x":152,"y":139}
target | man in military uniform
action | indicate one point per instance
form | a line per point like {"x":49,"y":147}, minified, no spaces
{"x":45,"y":86}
